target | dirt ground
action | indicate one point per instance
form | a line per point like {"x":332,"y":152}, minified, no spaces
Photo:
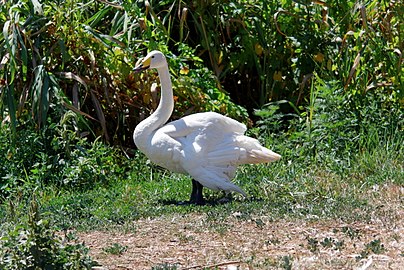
{"x":202,"y":241}
{"x":196,"y":242}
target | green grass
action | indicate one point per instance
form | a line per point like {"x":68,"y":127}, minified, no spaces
{"x":116,"y":249}
{"x":280,"y":190}
{"x":346,"y":188}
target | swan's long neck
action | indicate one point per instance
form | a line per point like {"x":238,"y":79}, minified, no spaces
{"x":163,"y":112}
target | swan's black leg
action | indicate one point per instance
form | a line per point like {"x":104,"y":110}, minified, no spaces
{"x":193,"y":193}
{"x":197,"y":194}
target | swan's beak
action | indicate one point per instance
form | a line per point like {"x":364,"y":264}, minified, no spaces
{"x":143,"y":65}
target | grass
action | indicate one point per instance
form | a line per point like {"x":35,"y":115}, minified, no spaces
{"x":293,"y":195}
{"x":282,"y":189}
{"x":116,"y":249}
{"x":122,"y":206}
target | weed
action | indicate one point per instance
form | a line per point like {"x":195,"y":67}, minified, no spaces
{"x":259,"y":223}
{"x":373,"y":247}
{"x":329,"y":242}
{"x":165,"y":266}
{"x":312,"y":244}
{"x":35,"y":245}
{"x":351,"y":232}
{"x":273,"y":241}
{"x":286,"y":262}
{"x":115,"y":249}
{"x":183,"y":238}
{"x":268,"y":262}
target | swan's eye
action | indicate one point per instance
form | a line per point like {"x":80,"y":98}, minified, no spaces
{"x":152,"y":56}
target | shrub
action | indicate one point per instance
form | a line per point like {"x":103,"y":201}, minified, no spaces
{"x":55,"y":156}
{"x":333,"y":125}
{"x":82,"y":63}
{"x":34,"y":245}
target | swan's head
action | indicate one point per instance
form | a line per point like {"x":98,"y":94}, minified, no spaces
{"x":155,"y":59}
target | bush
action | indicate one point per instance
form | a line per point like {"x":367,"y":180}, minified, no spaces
{"x":334,"y":125}
{"x":55,"y":156}
{"x":82,"y":63}
{"x":34,"y":245}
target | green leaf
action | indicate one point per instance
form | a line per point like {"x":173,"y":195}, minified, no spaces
{"x":97,"y":17}
{"x":23,"y":51}
{"x":40,"y":92}
{"x":11,"y":106}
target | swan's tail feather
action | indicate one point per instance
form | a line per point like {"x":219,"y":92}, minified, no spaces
{"x":255,"y":152}
{"x":263,"y":155}
{"x":228,"y":186}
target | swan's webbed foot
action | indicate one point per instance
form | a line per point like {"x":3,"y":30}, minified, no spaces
{"x":197,"y":194}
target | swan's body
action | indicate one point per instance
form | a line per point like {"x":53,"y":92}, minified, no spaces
{"x":207,"y":146}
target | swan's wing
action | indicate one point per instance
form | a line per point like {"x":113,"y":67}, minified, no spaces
{"x":202,"y":121}
{"x":219,"y":139}
{"x":210,"y":137}
{"x":208,"y":149}
{"x":212,"y":146}
{"x":178,"y":144}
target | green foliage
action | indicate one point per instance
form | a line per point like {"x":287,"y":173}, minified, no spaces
{"x":35,"y":245}
{"x":333,"y":125}
{"x":116,"y":249}
{"x":165,"y":266}
{"x":74,"y":56}
{"x":286,"y":262}
{"x":271,"y":49}
{"x":329,"y":242}
{"x":351,"y":232}
{"x":373,"y":247}
{"x":312,"y":244}
{"x":55,"y":157}
{"x":198,"y":89}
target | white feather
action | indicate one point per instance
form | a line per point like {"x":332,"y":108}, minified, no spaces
{"x":207,"y":146}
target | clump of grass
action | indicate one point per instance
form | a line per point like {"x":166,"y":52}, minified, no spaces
{"x":165,"y":266}
{"x":286,"y":262}
{"x":115,"y":249}
{"x":312,"y":244}
{"x":329,"y":242}
{"x":373,"y":247}
{"x":352,"y":233}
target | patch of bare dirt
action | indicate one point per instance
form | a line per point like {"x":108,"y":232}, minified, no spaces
{"x":197,"y":241}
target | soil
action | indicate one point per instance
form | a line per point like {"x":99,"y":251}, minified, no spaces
{"x":200,"y":241}
{"x":194,"y":242}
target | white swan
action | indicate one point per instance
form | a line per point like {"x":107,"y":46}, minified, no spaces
{"x":207,"y":146}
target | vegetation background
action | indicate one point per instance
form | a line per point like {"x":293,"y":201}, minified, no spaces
{"x":320,"y":82}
